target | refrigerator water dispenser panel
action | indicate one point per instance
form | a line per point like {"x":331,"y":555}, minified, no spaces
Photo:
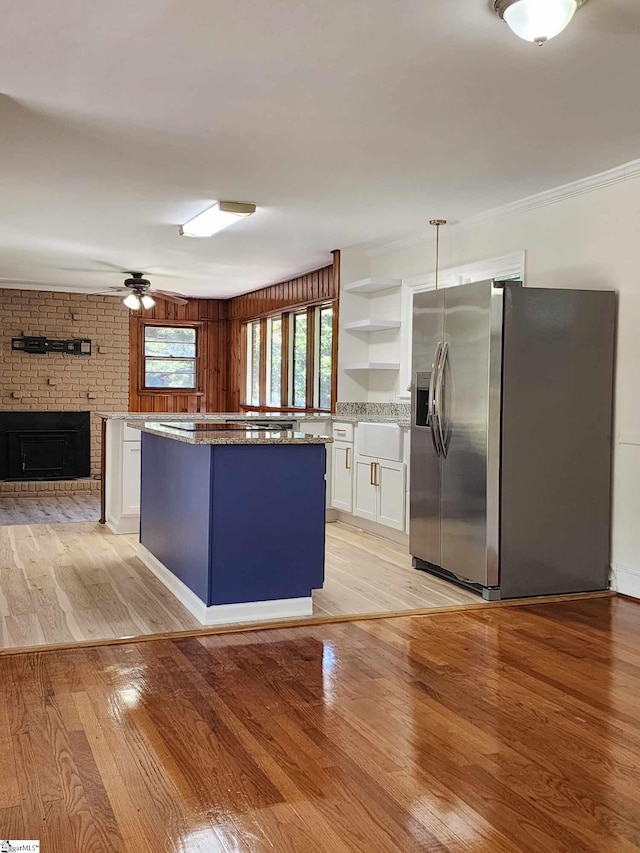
{"x":423,"y":383}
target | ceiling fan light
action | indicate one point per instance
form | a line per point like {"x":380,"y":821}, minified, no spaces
{"x":148,"y":301}
{"x":214,"y":219}
{"x":539,"y":20}
{"x":132,"y":301}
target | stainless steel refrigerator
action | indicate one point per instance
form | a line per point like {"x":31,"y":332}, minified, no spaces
{"x":512,"y":393}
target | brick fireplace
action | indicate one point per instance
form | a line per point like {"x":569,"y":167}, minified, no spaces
{"x":58,"y":382}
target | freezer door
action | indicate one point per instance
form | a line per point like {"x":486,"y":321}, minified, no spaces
{"x":559,"y":348}
{"x":424,"y":497}
{"x":468,"y":400}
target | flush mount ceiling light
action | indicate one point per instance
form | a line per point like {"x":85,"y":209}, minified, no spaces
{"x":214,"y":219}
{"x":536,"y":20}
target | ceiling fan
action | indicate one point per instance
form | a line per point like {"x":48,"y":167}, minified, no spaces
{"x":140,"y":293}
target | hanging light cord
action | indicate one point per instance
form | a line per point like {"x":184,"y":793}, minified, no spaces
{"x":437,"y":223}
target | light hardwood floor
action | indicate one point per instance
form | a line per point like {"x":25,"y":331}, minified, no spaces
{"x":49,"y":510}
{"x":368,"y":574}
{"x":499,"y":730}
{"x":61,"y":583}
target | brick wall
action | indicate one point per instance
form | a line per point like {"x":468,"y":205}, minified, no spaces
{"x":60,"y":382}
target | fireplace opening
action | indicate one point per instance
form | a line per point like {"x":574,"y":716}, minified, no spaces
{"x":45,"y":445}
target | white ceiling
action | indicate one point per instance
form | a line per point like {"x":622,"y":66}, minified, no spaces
{"x":345,"y":121}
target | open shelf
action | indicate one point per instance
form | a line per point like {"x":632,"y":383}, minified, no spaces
{"x":372,"y":365}
{"x":371,"y":325}
{"x":368,"y":286}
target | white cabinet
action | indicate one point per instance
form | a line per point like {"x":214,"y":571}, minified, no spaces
{"x":379,"y":493}
{"x":122,"y":480}
{"x":342,"y":468}
{"x":131,"y":477}
{"x":390,"y":477}
{"x":365,"y":497}
{"x":342,"y":479}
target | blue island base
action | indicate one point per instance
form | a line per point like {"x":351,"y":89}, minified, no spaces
{"x":236,"y":532}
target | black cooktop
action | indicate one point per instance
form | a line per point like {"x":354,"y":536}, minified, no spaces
{"x":216,"y":426}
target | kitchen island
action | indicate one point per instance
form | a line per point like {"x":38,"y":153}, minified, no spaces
{"x":232,"y":518}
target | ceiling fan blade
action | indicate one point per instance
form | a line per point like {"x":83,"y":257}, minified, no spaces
{"x":169,"y":297}
{"x":112,"y":268}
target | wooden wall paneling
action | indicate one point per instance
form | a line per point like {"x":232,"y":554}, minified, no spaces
{"x":213,"y":348}
{"x":134,"y":350}
{"x":315,"y":287}
{"x":222,"y":343}
{"x":318,"y":286}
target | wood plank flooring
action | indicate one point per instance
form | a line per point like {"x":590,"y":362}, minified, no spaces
{"x":62,"y":583}
{"x":65,"y":582}
{"x":504,"y":730}
{"x":49,"y":510}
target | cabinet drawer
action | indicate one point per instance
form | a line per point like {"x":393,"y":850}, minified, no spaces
{"x":343,"y":432}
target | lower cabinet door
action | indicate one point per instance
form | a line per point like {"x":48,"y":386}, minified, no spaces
{"x":365,"y":492}
{"x":391,"y":480}
{"x":131,"y":477}
{"x":342,"y":477}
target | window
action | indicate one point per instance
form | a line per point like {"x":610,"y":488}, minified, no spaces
{"x":325,"y":350}
{"x":289,"y":360}
{"x":299,"y":361}
{"x":253,"y":362}
{"x":274,"y":362}
{"x":170,"y":357}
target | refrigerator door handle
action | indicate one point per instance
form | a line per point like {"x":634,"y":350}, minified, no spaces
{"x":432,"y":398}
{"x":444,"y":352}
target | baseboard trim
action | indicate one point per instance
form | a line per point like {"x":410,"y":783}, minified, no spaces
{"x":626,"y":581}
{"x":224,"y":614}
{"x":252,"y":611}
{"x":381,"y":530}
{"x":126,"y":524}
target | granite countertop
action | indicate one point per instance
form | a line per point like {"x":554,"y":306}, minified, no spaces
{"x":228,"y":436}
{"x":213,"y":416}
{"x":371,"y":419}
{"x":402,"y":421}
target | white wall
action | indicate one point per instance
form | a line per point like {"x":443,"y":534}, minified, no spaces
{"x":590,"y":241}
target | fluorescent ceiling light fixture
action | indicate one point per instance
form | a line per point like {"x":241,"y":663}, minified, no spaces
{"x":132,"y":301}
{"x":537,"y":20}
{"x":214,"y":219}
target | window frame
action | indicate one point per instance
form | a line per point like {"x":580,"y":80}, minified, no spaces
{"x":292,"y":361}
{"x":248,"y":341}
{"x":318,"y":356}
{"x":143,"y":388}
{"x":269,"y":322}
{"x":312,"y":385}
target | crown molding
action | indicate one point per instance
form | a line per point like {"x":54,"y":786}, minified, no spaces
{"x":619,"y":174}
{"x":43,"y":286}
{"x":626,"y":172}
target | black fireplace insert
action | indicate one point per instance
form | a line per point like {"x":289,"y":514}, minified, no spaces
{"x":45,"y":445}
